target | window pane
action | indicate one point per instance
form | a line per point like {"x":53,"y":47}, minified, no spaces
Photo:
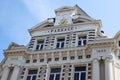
{"x":79,"y":43}
{"x":76,"y":76}
{"x":62,"y":44}
{"x":51,"y":77}
{"x":84,"y":42}
{"x":57,"y":77}
{"x":55,"y":70}
{"x":34,"y":78}
{"x":83,"y":76}
{"x":28,"y":77}
{"x":41,"y":46}
{"x":58,"y":44}
{"x":32,"y":72}
{"x":81,"y":68}
{"x":37,"y":47}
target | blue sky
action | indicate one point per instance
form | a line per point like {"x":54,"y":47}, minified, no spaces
{"x":17,"y":16}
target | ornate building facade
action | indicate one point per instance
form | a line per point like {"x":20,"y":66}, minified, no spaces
{"x":70,"y":46}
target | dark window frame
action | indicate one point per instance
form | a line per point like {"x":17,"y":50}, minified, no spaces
{"x":40,"y":45}
{"x":82,"y":40}
{"x":55,"y":74}
{"x":60,"y":43}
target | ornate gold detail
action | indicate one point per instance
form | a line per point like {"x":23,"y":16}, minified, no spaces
{"x":63,"y":21}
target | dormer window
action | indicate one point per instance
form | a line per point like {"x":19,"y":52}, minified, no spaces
{"x":40,"y":44}
{"x":82,"y":40}
{"x":60,"y":43}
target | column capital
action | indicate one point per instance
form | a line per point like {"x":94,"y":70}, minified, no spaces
{"x":109,"y":58}
{"x":5,"y":66}
{"x":95,"y":60}
{"x":5,"y":74}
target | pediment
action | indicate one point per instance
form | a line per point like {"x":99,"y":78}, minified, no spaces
{"x":47,"y":23}
{"x":13,"y":46}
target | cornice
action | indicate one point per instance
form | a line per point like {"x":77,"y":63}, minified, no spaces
{"x":102,"y":42}
{"x":58,"y":50}
{"x":14,"y":52}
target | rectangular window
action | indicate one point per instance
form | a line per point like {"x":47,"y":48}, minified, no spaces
{"x":82,"y":40}
{"x":39,"y":45}
{"x":55,"y":74}
{"x":80,"y":73}
{"x":56,"y":59}
{"x":32,"y":74}
{"x":60,"y":43}
{"x":72,"y":57}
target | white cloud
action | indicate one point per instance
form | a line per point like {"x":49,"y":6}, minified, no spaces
{"x":39,"y":8}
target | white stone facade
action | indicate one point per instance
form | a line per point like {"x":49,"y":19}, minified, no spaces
{"x":70,"y":46}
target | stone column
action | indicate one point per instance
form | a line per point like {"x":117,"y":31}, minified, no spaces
{"x":5,"y":73}
{"x":108,"y":69}
{"x":47,"y":71}
{"x":15,"y":73}
{"x":96,"y":72}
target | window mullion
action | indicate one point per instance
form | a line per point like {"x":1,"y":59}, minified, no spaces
{"x":39,"y":47}
{"x":54,"y":76}
{"x":81,"y":41}
{"x":60,"y":45}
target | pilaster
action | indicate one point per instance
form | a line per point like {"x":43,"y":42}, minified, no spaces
{"x":47,"y":71}
{"x":38,"y":57}
{"x":52,"y":55}
{"x":68,"y":55}
{"x":60,"y":56}
{"x":83,"y":54}
{"x":15,"y":73}
{"x":5,"y":73}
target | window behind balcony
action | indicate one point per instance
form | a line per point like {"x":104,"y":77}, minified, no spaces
{"x":60,"y":43}
{"x":55,"y":74}
{"x":80,"y":73}
{"x":32,"y":74}
{"x":39,"y":45}
{"x":82,"y":40}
